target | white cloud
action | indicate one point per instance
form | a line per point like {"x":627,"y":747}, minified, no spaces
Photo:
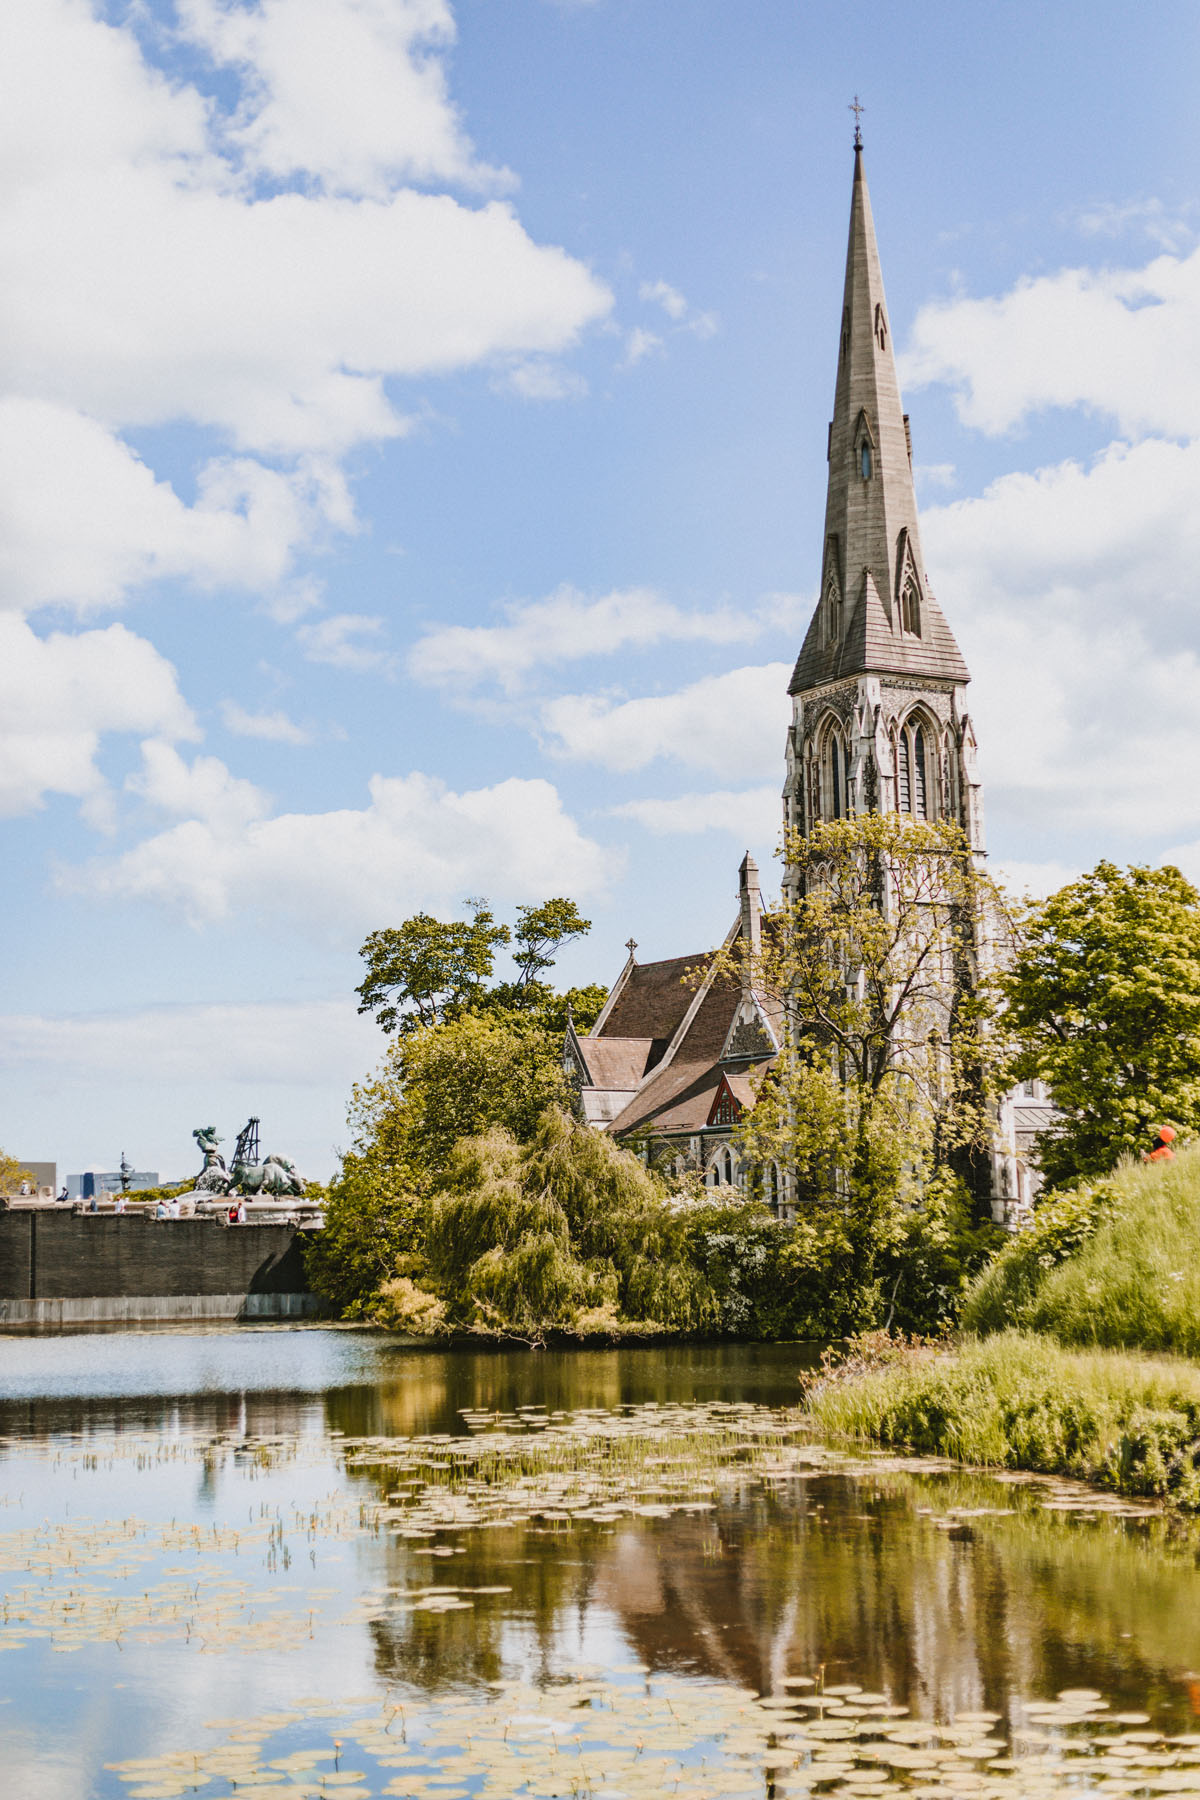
{"x":664,"y":295}
{"x":540,"y":379}
{"x":60,"y":694}
{"x":145,"y":281}
{"x":640,"y":343}
{"x":1150,"y":216}
{"x":1072,"y":591}
{"x":272,"y":727}
{"x":346,"y":641}
{"x":733,"y":724}
{"x":564,"y":627}
{"x":1119,"y":342}
{"x":203,"y":789}
{"x":83,"y":520}
{"x":348,"y":91}
{"x":417,"y":843}
{"x":750,"y":814}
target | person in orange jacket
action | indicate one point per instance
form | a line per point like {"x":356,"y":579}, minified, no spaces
{"x":1164,"y":1137}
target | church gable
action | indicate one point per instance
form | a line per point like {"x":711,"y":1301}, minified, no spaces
{"x":749,"y":1033}
{"x":726,"y":1109}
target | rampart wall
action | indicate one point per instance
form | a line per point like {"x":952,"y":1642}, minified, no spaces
{"x":68,"y":1267}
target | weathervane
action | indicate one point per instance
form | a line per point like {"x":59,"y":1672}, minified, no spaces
{"x":858,"y":110}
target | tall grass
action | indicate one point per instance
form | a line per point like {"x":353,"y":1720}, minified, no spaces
{"x":1116,"y":1263}
{"x":1130,"y":1424}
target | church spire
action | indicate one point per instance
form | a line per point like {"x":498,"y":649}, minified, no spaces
{"x":876,"y":613}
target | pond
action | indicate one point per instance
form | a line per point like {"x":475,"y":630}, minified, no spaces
{"x":312,"y":1562}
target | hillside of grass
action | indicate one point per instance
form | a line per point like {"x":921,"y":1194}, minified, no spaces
{"x":1016,"y":1401}
{"x":1115,"y":1263}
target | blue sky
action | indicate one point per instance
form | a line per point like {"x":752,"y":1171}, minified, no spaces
{"x":412,"y":427}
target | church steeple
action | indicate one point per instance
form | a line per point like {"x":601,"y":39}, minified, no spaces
{"x":876,"y":612}
{"x":879,"y":704}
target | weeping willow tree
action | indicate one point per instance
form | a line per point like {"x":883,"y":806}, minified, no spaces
{"x":567,"y":1232}
{"x":882,"y":1100}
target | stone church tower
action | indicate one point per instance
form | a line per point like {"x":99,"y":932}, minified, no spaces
{"x":880,"y":721}
{"x":879,"y":693}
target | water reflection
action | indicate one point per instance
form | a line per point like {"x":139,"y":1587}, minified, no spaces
{"x":945,"y":1591}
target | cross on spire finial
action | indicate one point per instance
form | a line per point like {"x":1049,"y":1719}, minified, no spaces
{"x":631,"y":945}
{"x":858,"y":109}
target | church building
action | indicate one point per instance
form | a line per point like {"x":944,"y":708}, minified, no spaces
{"x":880,"y":723}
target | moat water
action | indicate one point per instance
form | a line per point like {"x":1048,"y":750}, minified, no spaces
{"x":312,"y":1562}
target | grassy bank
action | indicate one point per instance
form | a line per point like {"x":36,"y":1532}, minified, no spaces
{"x":1114,"y":1263}
{"x":1127,"y":1423}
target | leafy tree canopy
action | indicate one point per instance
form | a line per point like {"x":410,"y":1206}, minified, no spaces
{"x":429,"y":970}
{"x":1103,"y":1002}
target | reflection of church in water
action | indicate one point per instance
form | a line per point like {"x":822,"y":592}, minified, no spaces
{"x":880,"y":722}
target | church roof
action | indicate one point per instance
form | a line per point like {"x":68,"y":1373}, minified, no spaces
{"x":616,"y":1062}
{"x":872,"y":534}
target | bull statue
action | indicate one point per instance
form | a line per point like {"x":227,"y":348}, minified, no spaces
{"x":273,"y":1175}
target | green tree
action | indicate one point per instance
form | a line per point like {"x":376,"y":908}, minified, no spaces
{"x":885,"y":1075}
{"x":541,"y":933}
{"x":426,"y":970}
{"x":1103,"y":1003}
{"x":419,"y":971}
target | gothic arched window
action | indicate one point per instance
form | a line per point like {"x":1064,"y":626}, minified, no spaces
{"x":910,"y":605}
{"x":915,"y":782}
{"x":835,"y":774}
{"x":865,"y":462}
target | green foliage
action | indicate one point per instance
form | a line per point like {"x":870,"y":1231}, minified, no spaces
{"x":883,"y":1084}
{"x":1021,"y":1402}
{"x":1113,"y":1262}
{"x":1104,"y":1004}
{"x":372,"y":1220}
{"x":1004,"y":1292}
{"x":527,"y":1239}
{"x":1136,"y":1281}
{"x":428,"y":970}
{"x":931,"y":1259}
{"x":541,"y":933}
{"x":418,"y":970}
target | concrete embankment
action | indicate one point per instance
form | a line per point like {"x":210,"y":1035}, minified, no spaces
{"x":60,"y":1267}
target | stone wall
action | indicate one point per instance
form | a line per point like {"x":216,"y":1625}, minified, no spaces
{"x":53,"y":1264}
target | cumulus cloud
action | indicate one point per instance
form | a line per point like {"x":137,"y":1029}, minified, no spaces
{"x":1072,"y":590}
{"x":733,"y":724}
{"x":1124,"y":343}
{"x":59,"y":694}
{"x":348,"y":91}
{"x":83,"y":520}
{"x":565,"y":626}
{"x":272,"y":727}
{"x":203,"y":788}
{"x":417,"y":843}
{"x":750,"y":814}
{"x":147,"y":278}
